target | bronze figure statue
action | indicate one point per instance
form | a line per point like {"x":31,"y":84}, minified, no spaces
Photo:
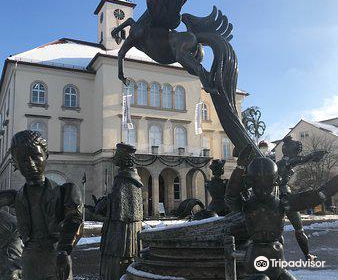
{"x":123,"y":222}
{"x":291,"y":158}
{"x":10,"y":248}
{"x":154,"y":34}
{"x":49,"y":216}
{"x":216,"y":187}
{"x":265,"y":213}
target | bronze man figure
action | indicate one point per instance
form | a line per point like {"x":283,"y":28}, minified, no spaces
{"x":49,"y":216}
{"x":123,"y":221}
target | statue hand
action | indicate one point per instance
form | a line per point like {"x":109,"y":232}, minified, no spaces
{"x":63,"y":264}
{"x":311,"y":258}
{"x":246,"y":155}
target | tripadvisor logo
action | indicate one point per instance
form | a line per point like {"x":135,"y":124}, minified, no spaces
{"x":262,"y":263}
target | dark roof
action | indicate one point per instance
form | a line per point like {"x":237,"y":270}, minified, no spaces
{"x":124,"y":3}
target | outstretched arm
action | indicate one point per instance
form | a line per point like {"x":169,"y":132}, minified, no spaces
{"x":308,"y":199}
{"x":314,"y":156}
{"x":7,"y":198}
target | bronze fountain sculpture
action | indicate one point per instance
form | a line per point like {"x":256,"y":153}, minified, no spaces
{"x":49,"y":216}
{"x":200,"y":246}
{"x":154,"y":34}
{"x":196,"y":251}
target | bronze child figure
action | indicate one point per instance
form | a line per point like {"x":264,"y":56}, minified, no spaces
{"x":265,"y":213}
{"x":123,"y":221}
{"x":49,"y":216}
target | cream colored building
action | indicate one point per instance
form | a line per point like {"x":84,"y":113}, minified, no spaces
{"x":69,"y":91}
{"x":323,"y":134}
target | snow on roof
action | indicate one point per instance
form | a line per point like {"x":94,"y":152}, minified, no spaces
{"x":327,"y":127}
{"x":74,"y":54}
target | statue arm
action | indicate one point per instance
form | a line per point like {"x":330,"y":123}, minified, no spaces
{"x":234,"y":188}
{"x":314,"y":156}
{"x":72,"y":218}
{"x":7,"y":198}
{"x":308,"y":199}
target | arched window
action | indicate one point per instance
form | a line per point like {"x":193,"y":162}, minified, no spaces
{"x":130,"y":90}
{"x":226,"y":148}
{"x":205,"y":113}
{"x":155,"y":136}
{"x":70,"y":97}
{"x":39,"y":127}
{"x":129,"y":136}
{"x":179,"y":98}
{"x":155,"y":95}
{"x":180,"y":137}
{"x":177,"y":188}
{"x":38,"y":95}
{"x":70,"y":138}
{"x":142,"y":94}
{"x":167,"y":96}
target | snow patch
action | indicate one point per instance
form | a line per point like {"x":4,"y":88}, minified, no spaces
{"x":92,"y":225}
{"x":143,"y":274}
{"x":185,"y":224}
{"x":89,"y":240}
{"x":324,"y":225}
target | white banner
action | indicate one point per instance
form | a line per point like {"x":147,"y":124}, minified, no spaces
{"x":198,"y":118}
{"x":126,"y":117}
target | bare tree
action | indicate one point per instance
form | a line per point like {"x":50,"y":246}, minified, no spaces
{"x":314,"y":174}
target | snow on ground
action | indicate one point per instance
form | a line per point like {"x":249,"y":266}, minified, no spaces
{"x":162,"y":225}
{"x":92,"y":225}
{"x":324,"y":225}
{"x":89,"y":240}
{"x":316,"y":274}
{"x":319,"y":217}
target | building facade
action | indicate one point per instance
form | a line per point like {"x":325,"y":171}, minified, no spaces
{"x":69,"y":91}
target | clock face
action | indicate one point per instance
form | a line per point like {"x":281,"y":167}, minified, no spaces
{"x":119,"y":14}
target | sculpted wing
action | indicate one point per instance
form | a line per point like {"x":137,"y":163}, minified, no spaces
{"x":165,"y":13}
{"x":215,"y":23}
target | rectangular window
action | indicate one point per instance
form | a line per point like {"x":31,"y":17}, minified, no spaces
{"x":177,"y":191}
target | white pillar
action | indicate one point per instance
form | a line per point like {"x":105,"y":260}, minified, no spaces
{"x":155,"y":194}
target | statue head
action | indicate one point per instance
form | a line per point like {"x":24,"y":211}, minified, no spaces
{"x":217,"y":167}
{"x":124,"y":156}
{"x":262,"y":173}
{"x":291,"y":148}
{"x":29,"y":153}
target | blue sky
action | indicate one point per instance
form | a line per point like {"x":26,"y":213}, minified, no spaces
{"x":287,"y":49}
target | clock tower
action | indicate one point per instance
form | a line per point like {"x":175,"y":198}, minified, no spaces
{"x":111,"y":13}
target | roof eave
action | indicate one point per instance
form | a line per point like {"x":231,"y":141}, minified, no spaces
{"x":99,"y":7}
{"x":90,"y":65}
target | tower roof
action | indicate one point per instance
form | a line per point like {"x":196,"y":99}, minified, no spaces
{"x":119,"y":2}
